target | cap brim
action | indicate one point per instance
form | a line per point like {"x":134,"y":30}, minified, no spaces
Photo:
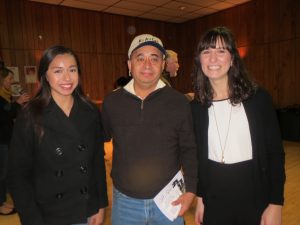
{"x":152,"y":43}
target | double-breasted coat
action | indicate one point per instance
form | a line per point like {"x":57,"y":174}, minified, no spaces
{"x":58,"y":177}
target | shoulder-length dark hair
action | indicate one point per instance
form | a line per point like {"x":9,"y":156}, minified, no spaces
{"x":240,"y":86}
{"x":36,"y":106}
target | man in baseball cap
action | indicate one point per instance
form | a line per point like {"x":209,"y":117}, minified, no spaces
{"x":153,"y":139}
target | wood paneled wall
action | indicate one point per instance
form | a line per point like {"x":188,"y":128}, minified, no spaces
{"x":101,"y":40}
{"x":268,"y":32}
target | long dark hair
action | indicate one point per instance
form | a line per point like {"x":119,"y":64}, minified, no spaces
{"x":36,"y":106}
{"x":240,"y":86}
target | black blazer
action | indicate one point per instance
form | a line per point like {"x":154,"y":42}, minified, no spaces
{"x":59,"y":178}
{"x":268,"y":153}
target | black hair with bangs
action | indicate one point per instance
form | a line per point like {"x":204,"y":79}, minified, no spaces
{"x":240,"y":86}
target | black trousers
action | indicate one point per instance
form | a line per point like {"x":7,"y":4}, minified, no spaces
{"x":230,"y":197}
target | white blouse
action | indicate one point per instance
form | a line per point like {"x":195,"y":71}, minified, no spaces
{"x":228,"y":121}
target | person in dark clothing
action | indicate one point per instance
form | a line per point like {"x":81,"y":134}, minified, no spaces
{"x":121,"y":82}
{"x":240,"y":152}
{"x":56,"y":166}
{"x":8,"y":112}
{"x":151,"y":128}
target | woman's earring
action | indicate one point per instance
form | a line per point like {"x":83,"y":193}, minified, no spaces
{"x":129,"y":73}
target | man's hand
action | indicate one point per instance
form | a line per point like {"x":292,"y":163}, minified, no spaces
{"x":185,"y":200}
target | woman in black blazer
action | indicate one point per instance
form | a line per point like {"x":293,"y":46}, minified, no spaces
{"x":56,"y":162}
{"x":241,"y":157}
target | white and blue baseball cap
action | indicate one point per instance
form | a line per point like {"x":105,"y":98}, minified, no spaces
{"x":146,"y":39}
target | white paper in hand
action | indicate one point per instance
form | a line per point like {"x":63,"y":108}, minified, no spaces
{"x":168,"y":194}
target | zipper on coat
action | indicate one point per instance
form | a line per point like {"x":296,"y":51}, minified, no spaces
{"x":142,"y":111}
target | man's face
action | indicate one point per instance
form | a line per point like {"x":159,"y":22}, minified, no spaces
{"x":146,"y":65}
{"x":172,"y":65}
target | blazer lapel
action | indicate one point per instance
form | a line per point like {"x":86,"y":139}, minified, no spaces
{"x":251,"y":114}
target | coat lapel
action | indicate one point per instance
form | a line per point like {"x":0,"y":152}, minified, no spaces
{"x":56,"y":120}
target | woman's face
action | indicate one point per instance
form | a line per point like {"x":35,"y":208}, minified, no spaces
{"x":7,"y":81}
{"x":62,"y":75}
{"x":215,"y":62}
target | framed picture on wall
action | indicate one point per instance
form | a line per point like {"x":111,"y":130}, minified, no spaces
{"x":15,"y":70}
{"x":30,"y":74}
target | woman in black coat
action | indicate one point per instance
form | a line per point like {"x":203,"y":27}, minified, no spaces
{"x":57,"y":172}
{"x":240,"y":152}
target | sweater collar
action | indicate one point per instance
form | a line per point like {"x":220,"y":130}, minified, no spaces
{"x":130,"y":86}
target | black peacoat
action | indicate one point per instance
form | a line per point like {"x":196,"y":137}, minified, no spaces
{"x":58,"y":178}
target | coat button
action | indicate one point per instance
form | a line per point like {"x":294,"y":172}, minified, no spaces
{"x":59,"y":195}
{"x":83,"y":169}
{"x":58,"y":151}
{"x":81,"y":148}
{"x":59,"y":173}
{"x":84,"y":190}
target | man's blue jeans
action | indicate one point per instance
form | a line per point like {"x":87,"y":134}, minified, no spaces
{"x":131,"y":211}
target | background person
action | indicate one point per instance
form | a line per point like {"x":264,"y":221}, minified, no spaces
{"x":121,"y":82}
{"x":240,"y":152}
{"x":9,"y":109}
{"x":56,"y":170}
{"x":171,"y":67}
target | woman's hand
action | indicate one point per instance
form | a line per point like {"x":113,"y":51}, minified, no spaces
{"x":98,"y":218}
{"x":23,"y":98}
{"x":199,"y":211}
{"x":272,"y":215}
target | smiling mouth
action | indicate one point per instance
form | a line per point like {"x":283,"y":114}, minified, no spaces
{"x":66,"y":86}
{"x":214,"y":67}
